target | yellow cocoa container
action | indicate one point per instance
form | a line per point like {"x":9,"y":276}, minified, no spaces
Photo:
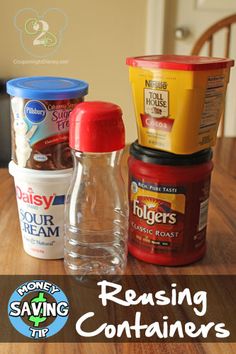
{"x":178,"y":100}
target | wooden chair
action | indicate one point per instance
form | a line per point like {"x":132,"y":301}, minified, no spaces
{"x":208,"y":37}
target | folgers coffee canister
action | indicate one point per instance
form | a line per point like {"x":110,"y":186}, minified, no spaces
{"x":168,"y":196}
{"x":178,"y":100}
{"x":40,"y":108}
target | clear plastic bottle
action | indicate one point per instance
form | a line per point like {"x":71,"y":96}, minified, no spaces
{"x":96,"y":205}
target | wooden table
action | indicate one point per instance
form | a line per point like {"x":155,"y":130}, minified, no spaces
{"x":220,"y":258}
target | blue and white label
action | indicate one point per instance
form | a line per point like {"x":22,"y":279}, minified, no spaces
{"x":40,"y":157}
{"x":35,"y":111}
{"x":41,"y":215}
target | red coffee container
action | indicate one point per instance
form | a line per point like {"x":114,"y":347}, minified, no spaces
{"x":168,"y":196}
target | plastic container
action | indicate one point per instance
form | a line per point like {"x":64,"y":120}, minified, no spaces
{"x":178,"y":100}
{"x":40,"y":108}
{"x":40,"y":198}
{"x":96,"y":220}
{"x":168,"y":197}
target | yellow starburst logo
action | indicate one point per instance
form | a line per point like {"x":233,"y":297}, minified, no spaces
{"x":150,"y":203}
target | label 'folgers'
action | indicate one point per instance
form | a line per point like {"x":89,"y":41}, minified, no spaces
{"x":168,"y":196}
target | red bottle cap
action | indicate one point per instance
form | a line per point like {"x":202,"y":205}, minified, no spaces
{"x":96,"y":127}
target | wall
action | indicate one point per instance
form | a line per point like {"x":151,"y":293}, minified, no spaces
{"x":98,"y":38}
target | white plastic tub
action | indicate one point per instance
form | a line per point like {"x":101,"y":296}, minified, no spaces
{"x":40,"y":198}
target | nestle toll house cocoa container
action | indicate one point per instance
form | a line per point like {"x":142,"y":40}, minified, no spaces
{"x":178,"y":100}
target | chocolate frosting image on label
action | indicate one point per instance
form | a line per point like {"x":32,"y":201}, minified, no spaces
{"x":40,"y":133}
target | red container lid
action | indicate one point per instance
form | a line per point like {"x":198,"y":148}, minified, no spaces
{"x":180,"y":62}
{"x":96,"y":127}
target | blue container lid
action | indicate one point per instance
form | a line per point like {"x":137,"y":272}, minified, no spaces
{"x":47,"y":88}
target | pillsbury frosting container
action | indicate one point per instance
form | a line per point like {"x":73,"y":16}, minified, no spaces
{"x":40,"y":108}
{"x":40,"y":198}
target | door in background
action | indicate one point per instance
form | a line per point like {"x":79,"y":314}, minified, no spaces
{"x":185,"y":21}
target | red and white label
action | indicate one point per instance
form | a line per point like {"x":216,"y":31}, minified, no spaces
{"x":164,"y":124}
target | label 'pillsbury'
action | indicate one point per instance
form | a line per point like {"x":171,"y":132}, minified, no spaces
{"x":35,"y":111}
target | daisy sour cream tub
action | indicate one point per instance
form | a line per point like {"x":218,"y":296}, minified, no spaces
{"x":40,"y":198}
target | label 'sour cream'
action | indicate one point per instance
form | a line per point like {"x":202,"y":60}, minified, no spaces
{"x":41,"y":211}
